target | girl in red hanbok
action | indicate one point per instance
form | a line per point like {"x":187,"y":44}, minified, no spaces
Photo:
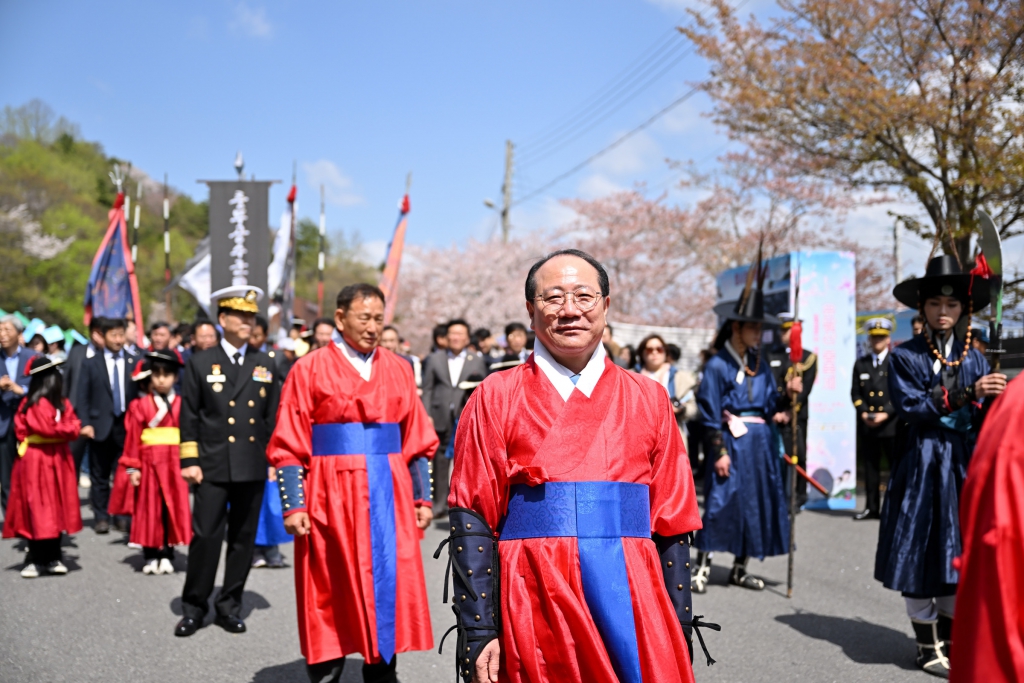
{"x":44,"y":489}
{"x":153,"y":465}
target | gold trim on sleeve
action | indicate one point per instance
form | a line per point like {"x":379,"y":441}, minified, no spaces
{"x":189,"y":449}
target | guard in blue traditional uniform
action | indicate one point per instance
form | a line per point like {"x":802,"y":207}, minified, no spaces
{"x":876,"y":417}
{"x":746,"y":509}
{"x":229,"y":402}
{"x":937,"y":383}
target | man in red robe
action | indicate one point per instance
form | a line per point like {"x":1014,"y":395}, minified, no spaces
{"x":351,"y":447}
{"x":989,"y":625}
{"x":571,"y":484}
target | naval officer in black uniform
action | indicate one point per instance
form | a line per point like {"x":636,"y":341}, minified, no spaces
{"x":229,"y":401}
{"x":876,"y":417}
{"x":782,"y":368}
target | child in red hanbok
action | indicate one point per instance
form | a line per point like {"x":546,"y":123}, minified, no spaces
{"x":153,"y":466}
{"x":44,"y":489}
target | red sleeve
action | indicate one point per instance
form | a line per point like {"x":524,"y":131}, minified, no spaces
{"x":41,"y":420}
{"x":673,"y":500}
{"x":990,"y":599}
{"x":480,"y":472}
{"x":291,"y":442}
{"x":418,"y":436}
{"x":133,"y":434}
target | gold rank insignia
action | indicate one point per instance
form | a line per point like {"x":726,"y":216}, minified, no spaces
{"x":261,"y":374}
{"x":215,"y":369}
{"x":218,"y":387}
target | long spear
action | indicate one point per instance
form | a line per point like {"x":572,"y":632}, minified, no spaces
{"x":796,"y":356}
{"x":167,"y":251}
{"x":135,"y":231}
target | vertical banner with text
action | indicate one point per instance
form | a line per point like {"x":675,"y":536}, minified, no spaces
{"x":239,"y":234}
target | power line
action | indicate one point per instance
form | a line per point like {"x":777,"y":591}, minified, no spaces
{"x":586,"y":162}
{"x":620,"y":91}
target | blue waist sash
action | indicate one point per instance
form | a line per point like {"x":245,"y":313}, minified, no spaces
{"x":374,"y":441}
{"x":599,"y":514}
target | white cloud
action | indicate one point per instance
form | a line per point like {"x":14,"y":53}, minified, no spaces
{"x":338,"y":187}
{"x":598,"y":185}
{"x":636,"y":154}
{"x":251,"y":20}
{"x":374,"y":252}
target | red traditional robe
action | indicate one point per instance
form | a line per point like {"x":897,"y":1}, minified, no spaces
{"x":517,"y":429}
{"x":160,"y":468}
{"x":44,"y":489}
{"x":122,"y":493}
{"x":988,"y":630}
{"x":334,"y":583}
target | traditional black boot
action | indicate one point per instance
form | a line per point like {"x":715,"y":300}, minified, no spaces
{"x":944,"y":626}
{"x":701,"y":572}
{"x":931,"y":657}
{"x":739,"y":576}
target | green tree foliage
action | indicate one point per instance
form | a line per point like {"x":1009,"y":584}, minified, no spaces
{"x":54,"y":198}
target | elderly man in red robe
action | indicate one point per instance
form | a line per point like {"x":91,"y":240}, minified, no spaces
{"x":351,"y":447}
{"x":989,"y":627}
{"x":572,"y":505}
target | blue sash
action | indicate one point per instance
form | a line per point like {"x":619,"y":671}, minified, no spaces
{"x":375,"y":442}
{"x":599,"y":514}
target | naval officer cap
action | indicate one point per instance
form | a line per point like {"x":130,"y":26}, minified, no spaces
{"x":787,"y":319}
{"x":878,"y":327}
{"x":244,"y":298}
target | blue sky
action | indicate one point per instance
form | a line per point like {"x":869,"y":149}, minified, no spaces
{"x":359,"y":94}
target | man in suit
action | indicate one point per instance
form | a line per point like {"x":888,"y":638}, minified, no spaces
{"x":229,"y":400}
{"x":448,"y":377}
{"x":782,"y":368}
{"x":13,"y":387}
{"x":72,"y":375}
{"x":104,"y":391}
{"x":876,"y":421}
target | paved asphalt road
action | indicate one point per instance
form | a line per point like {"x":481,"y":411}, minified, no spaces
{"x":106,"y":621}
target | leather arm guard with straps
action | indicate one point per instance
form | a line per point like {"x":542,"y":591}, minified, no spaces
{"x":473,"y":554}
{"x":675,"y":567}
{"x":714,"y":444}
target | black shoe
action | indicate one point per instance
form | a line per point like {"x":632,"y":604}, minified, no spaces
{"x":866,"y":514}
{"x":186,"y":627}
{"x":121,"y":524}
{"x":931,"y":655}
{"x":102,"y":527}
{"x":230,"y":624}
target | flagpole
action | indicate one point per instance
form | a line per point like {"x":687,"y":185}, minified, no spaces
{"x":128,"y":205}
{"x":320,"y":258}
{"x":135,"y":231}
{"x":167,"y":252}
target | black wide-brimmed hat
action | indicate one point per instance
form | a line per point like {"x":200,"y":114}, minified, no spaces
{"x":40,"y":364}
{"x":943,"y":277}
{"x":145,"y":369}
{"x":749,"y":308}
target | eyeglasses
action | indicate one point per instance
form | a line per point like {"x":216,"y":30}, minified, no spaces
{"x":654,"y":349}
{"x":584,"y":298}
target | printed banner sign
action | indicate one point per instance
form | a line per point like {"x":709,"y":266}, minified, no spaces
{"x":239,"y":234}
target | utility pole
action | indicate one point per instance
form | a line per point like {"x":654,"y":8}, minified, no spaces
{"x":506,"y":192}
{"x":896,"y":251}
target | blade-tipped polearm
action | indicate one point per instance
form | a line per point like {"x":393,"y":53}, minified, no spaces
{"x":796,"y":360}
{"x":992,"y":251}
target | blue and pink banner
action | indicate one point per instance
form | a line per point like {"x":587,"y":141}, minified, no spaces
{"x":113,"y":291}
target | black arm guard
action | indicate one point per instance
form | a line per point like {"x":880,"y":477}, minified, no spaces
{"x":473,"y":553}
{"x":675,"y":567}
{"x":714,"y":444}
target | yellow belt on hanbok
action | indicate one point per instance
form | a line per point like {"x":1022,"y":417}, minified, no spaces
{"x":36,"y":439}
{"x":161,"y":436}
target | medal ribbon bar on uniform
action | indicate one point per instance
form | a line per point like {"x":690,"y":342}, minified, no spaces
{"x":375,"y":441}
{"x":599,"y":514}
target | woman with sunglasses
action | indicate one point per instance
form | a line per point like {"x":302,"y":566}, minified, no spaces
{"x":680,"y":384}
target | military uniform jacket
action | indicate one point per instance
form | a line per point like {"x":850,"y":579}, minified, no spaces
{"x":227,"y":414}
{"x":870,"y":394}
{"x":779,"y":362}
